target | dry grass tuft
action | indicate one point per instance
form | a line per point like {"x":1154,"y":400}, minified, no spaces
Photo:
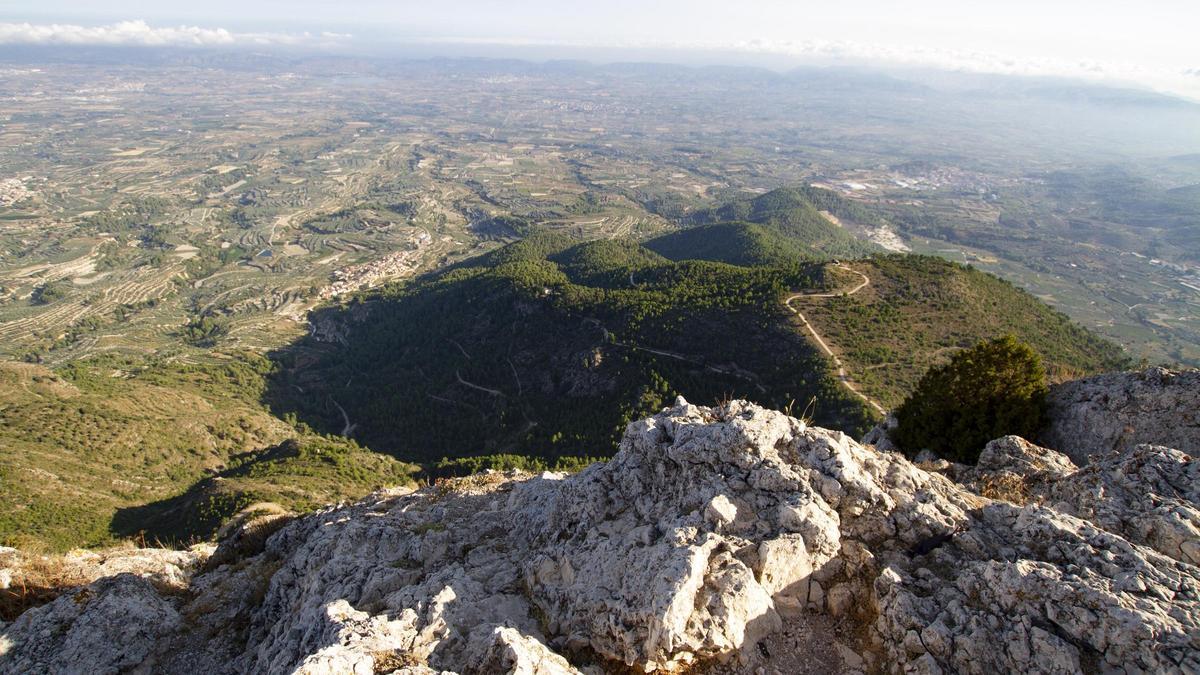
{"x":475,"y":484}
{"x":389,"y":661}
{"x":36,"y":580}
{"x":1005,"y":486}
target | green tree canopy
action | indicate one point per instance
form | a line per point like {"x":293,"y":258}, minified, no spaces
{"x":996,"y":388}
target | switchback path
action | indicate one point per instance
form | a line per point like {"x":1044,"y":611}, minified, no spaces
{"x":843,"y":377}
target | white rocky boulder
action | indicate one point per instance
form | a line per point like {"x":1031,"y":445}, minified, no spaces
{"x":1150,"y":496}
{"x":111,"y":626}
{"x":1017,"y":456}
{"x":1119,"y":411}
{"x":711,"y":532}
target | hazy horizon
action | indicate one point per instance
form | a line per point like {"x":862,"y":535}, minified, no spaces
{"x":1108,"y":43}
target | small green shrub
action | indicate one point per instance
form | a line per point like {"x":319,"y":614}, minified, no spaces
{"x":48,"y":293}
{"x":993,"y":389}
{"x":466,"y":466}
{"x":205,"y":331}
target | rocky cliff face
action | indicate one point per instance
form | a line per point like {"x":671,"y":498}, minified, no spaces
{"x":1118,"y":411}
{"x":727,"y":539}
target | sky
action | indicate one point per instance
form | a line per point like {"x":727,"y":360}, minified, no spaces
{"x":1151,"y":43}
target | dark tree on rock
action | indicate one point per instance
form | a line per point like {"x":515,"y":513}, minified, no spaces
{"x":996,"y":388}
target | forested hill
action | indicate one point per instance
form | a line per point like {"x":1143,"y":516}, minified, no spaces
{"x":540,"y":350}
{"x":918,"y":310}
{"x":733,"y":243}
{"x":799,"y":215}
{"x":547,"y":347}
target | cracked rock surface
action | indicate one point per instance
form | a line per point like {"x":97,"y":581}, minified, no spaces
{"x":1119,"y":411}
{"x":727,"y":539}
{"x":1149,"y":495}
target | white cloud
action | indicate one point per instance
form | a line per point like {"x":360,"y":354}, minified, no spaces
{"x":141,"y":34}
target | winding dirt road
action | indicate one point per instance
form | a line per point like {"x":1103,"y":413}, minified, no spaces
{"x":843,"y":377}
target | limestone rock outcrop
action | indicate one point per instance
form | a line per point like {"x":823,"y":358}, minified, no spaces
{"x":1149,"y":495}
{"x":111,"y":626}
{"x":164,"y":567}
{"x":1034,"y":590}
{"x":711,"y":532}
{"x":1017,"y":456}
{"x":1119,"y":411}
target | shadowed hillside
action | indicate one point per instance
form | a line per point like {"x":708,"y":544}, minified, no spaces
{"x":549,"y":348}
{"x":86,"y":442}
